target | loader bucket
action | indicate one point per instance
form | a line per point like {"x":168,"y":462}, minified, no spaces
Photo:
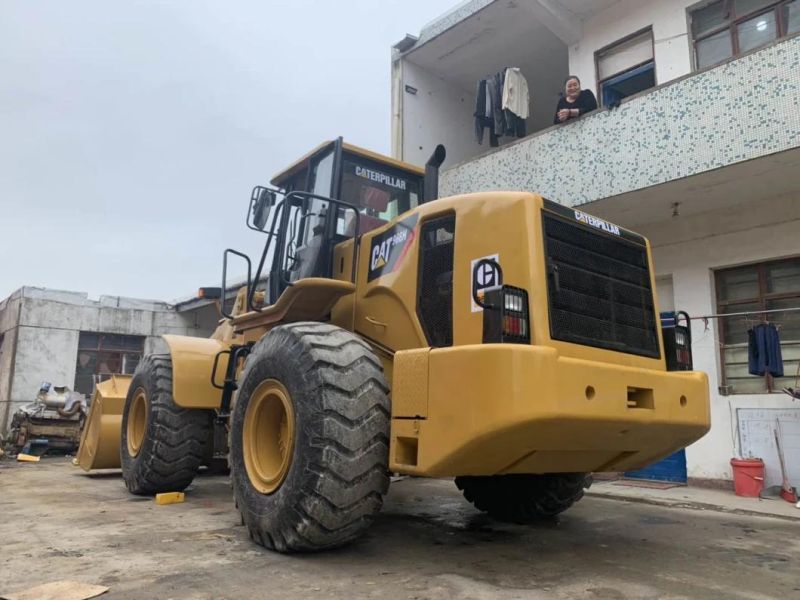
{"x":100,"y":440}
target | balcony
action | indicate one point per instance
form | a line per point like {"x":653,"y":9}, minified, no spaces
{"x":726,"y":135}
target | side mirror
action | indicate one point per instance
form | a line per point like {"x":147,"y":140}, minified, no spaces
{"x":261,"y":202}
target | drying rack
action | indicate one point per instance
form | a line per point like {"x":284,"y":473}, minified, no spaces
{"x":767,"y":375}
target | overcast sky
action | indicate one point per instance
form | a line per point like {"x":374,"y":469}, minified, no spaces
{"x":132,"y":132}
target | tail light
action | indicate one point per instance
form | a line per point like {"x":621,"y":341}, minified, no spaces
{"x":506,"y":318}
{"x":683,"y":348}
{"x":677,"y":341}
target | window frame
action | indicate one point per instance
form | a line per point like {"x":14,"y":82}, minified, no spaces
{"x":732,"y":27}
{"x":761,"y":300}
{"x":100,"y":349}
{"x":605,"y":49}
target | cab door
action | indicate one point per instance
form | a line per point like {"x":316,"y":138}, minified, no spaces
{"x":306,"y":234}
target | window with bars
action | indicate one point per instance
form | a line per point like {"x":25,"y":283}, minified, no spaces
{"x":771,"y":286}
{"x":101,"y":355}
{"x":727,"y":28}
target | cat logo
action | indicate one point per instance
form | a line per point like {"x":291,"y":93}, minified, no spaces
{"x":485,"y":275}
{"x":388,"y":248}
{"x":383,"y":251}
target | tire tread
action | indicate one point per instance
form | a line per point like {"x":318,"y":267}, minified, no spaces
{"x":524,"y":498}
{"x":348,"y":455}
{"x":179,"y":436}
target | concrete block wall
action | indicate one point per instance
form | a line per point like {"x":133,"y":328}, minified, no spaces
{"x":9,"y":320}
{"x":41,"y":329}
{"x":43,"y":354}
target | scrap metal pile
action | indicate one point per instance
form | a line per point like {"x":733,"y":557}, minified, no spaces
{"x":53,"y":420}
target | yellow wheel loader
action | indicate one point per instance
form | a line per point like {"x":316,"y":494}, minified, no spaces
{"x":498,"y":338}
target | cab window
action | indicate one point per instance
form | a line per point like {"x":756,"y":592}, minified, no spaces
{"x":379,"y":191}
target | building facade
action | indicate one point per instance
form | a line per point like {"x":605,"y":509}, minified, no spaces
{"x":66,"y":338}
{"x":696,"y":145}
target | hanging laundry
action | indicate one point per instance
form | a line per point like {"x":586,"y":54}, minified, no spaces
{"x":501,"y":105}
{"x":516,"y":102}
{"x":515,"y":93}
{"x":485,"y":111}
{"x":764,"y":351}
{"x":480,"y":110}
{"x":515,"y":126}
{"x":488,"y":112}
{"x":495,"y":88}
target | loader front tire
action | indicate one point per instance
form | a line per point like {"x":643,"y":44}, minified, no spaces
{"x":524,"y":498}
{"x":162,"y":445}
{"x":309,"y":438}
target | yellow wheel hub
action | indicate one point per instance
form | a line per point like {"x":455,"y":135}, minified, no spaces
{"x":137,"y":421}
{"x":268,"y":436}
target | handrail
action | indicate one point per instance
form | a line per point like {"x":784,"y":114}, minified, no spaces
{"x":225,"y":276}
{"x":280,"y":236}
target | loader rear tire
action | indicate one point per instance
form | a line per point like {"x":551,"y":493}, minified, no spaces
{"x":162,"y":445}
{"x":310,"y":438}
{"x":524,"y":498}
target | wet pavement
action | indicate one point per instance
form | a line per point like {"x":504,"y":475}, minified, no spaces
{"x":428,"y":543}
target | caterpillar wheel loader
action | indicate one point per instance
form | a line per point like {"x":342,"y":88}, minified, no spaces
{"x":498,"y":338}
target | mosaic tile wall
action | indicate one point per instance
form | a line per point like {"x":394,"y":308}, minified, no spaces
{"x":741,"y":110}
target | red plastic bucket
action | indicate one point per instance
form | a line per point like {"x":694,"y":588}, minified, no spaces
{"x":748,"y":476}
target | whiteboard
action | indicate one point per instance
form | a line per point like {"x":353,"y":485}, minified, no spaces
{"x":757,"y":440}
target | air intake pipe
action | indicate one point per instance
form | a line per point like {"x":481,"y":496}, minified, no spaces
{"x":431,"y":184}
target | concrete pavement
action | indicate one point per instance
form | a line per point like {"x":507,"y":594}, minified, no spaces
{"x":697,"y":498}
{"x":427,"y":543}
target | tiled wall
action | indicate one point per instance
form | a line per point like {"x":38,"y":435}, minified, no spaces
{"x":744,"y":109}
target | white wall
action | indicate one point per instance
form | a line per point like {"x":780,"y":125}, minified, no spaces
{"x":688,"y":249}
{"x":669,"y":21}
{"x":439,"y":113}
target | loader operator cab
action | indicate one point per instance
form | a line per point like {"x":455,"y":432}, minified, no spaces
{"x":335,"y":193}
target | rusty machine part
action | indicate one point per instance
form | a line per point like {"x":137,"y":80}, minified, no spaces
{"x":56,"y":415}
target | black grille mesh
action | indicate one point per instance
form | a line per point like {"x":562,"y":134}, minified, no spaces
{"x":435,"y":300}
{"x":599,"y":289}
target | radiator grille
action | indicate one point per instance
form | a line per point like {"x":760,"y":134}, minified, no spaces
{"x":599,"y":289}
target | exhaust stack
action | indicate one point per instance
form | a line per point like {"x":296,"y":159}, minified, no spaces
{"x":431,"y":183}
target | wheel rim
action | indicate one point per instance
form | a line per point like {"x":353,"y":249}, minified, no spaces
{"x":268,"y":436}
{"x":137,"y":422}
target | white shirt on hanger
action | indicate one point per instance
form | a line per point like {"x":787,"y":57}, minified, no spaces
{"x":515,"y":93}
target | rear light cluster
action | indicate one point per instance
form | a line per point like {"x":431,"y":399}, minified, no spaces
{"x":682,"y":349}
{"x":505,"y":316}
{"x":677,"y":341}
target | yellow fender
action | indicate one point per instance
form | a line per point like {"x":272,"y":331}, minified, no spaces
{"x":99,"y":447}
{"x":192,"y":364}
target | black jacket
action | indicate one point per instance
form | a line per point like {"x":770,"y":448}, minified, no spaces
{"x":489,"y":89}
{"x":585,"y":102}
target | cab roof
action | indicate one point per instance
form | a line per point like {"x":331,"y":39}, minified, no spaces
{"x":280,"y":178}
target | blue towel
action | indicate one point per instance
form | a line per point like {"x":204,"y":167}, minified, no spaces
{"x":764,"y":351}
